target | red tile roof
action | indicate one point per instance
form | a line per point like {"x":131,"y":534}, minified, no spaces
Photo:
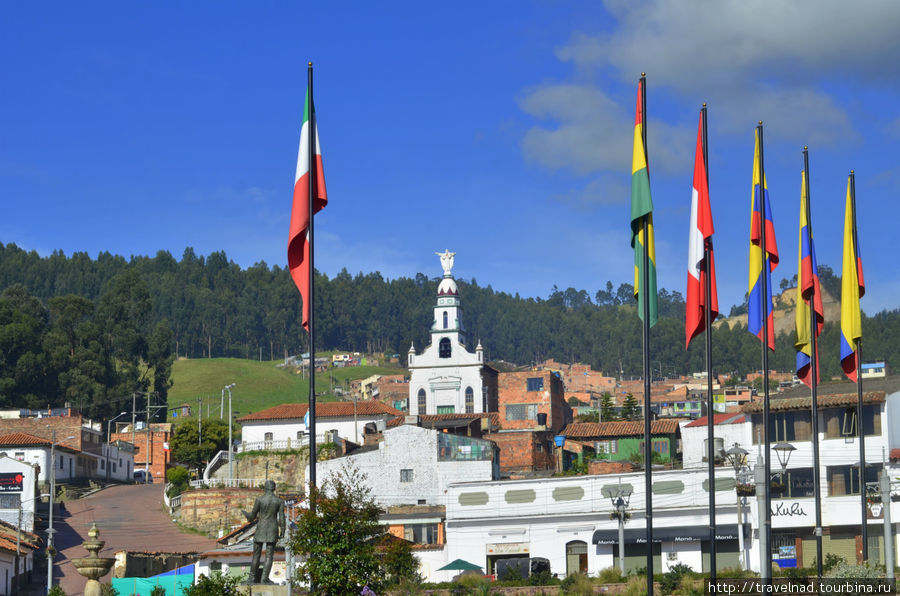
{"x":619,"y":429}
{"x":21,"y":439}
{"x":332,"y":409}
{"x":822,"y":401}
{"x":727,"y":418}
{"x":430,"y":418}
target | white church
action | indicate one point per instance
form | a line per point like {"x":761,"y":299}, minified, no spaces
{"x":446,"y":378}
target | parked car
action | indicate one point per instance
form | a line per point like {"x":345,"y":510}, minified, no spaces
{"x":143,"y":476}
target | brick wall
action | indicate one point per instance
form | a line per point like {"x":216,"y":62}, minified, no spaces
{"x":160,"y":457}
{"x":212,"y":509}
{"x":610,"y":467}
{"x":524,"y":451}
{"x":65,"y":426}
{"x":513,"y":390}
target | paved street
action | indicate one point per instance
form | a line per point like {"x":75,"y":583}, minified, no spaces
{"x":129,"y":517}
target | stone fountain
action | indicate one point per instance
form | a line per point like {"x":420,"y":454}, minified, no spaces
{"x":93,"y":567}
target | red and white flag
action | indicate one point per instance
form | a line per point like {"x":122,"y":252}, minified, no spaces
{"x":298,"y":241}
{"x":700,"y":234}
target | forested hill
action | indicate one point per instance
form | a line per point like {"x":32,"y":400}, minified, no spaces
{"x":215,"y":308}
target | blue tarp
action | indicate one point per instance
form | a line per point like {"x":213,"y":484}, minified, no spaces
{"x":175,"y":583}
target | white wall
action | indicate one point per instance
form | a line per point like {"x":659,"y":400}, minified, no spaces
{"x":26,"y":495}
{"x":255,"y":431}
{"x":693,"y":440}
{"x":411,"y":448}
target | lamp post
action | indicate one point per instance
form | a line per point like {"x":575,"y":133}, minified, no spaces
{"x":620,"y":498}
{"x":230,"y":444}
{"x":737,"y":457}
{"x":50,"y":530}
{"x":783,"y":452}
{"x":108,"y":426}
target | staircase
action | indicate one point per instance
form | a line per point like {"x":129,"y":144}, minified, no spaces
{"x":215,"y":463}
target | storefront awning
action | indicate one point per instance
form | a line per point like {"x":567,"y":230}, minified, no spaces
{"x":665,"y":534}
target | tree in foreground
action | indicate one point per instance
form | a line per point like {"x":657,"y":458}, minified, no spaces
{"x":214,"y":585}
{"x":342,"y":541}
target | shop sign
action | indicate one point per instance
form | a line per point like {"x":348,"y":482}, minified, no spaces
{"x":507,"y":548}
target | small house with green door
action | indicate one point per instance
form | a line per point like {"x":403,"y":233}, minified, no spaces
{"x":624,"y":440}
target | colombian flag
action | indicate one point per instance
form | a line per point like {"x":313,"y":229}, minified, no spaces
{"x":641,"y":210}
{"x":807,"y":287}
{"x":852,"y":289}
{"x":762,"y":262}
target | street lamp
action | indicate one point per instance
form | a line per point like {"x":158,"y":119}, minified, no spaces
{"x":619,"y":498}
{"x":108,"y":425}
{"x":50,"y":530}
{"x":737,"y":457}
{"x":783,"y":452}
{"x":230,"y":444}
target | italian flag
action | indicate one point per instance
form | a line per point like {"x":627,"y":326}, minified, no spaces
{"x":298,"y":241}
{"x":642,"y":210}
{"x":700,"y":233}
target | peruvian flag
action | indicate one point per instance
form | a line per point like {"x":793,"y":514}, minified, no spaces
{"x":700,"y":237}
{"x":298,"y":241}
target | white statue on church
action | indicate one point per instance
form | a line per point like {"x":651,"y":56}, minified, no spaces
{"x":446,"y":260}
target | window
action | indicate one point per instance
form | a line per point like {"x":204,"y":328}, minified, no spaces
{"x":660,"y":446}
{"x":445,"y":319}
{"x":422,"y":402}
{"x":114,"y":467}
{"x":102,"y":464}
{"x":10,"y":501}
{"x":406,"y":475}
{"x":844,"y":480}
{"x":798,"y":483}
{"x":421,"y":533}
{"x":521,"y":412}
{"x":784,"y":426}
{"x":446,"y":410}
{"x":470,"y":400}
{"x":444,"y":348}
{"x":610,"y":446}
{"x":20,"y":456}
{"x":841,"y":423}
{"x":267,"y":437}
{"x":299,"y":435}
{"x":535,"y":384}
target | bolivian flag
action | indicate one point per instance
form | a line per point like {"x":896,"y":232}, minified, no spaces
{"x":642,"y":210}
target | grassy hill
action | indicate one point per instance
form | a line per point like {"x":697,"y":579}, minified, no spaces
{"x":259,"y":385}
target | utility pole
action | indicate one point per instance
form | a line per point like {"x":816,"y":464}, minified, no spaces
{"x":147,"y":455}
{"x":199,"y":420}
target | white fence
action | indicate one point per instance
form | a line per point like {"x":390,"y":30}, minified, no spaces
{"x":226,"y":483}
{"x":279,"y":445}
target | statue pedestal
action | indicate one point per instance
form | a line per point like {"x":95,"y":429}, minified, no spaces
{"x":264,"y":590}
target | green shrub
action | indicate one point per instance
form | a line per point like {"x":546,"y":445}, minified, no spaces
{"x":636,"y":586}
{"x":56,"y":591}
{"x":845,"y":571}
{"x":179,"y":480}
{"x":670,"y":580}
{"x":611,"y":575}
{"x":577,"y":584}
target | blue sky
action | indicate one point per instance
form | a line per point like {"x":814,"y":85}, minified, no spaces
{"x":500,"y":130}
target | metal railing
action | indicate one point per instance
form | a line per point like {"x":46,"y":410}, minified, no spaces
{"x":279,"y":445}
{"x":226,"y":483}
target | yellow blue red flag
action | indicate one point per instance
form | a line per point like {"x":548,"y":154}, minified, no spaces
{"x":762,"y":262}
{"x":808,"y":290}
{"x":852,"y":289}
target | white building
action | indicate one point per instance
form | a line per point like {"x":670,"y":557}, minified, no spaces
{"x":283,"y":426}
{"x":446,"y":378}
{"x":567,"y":521}
{"x":415,"y":466}
{"x":728,"y":429}
{"x":29,"y":449}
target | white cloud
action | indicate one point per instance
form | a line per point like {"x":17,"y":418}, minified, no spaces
{"x":590,"y":132}
{"x":750,"y":60}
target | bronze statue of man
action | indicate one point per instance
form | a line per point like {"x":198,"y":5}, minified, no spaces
{"x":268,"y":511}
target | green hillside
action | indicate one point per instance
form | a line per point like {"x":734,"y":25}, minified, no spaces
{"x":259,"y":385}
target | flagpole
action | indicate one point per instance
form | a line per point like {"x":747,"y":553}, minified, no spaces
{"x":814,"y":366}
{"x":313,"y":171}
{"x":766,"y":573}
{"x":710,"y":424}
{"x":859,"y":392}
{"x":645,"y":283}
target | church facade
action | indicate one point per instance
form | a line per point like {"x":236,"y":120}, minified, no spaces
{"x":446,"y":378}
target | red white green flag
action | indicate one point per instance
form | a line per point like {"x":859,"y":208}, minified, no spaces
{"x":298,"y":241}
